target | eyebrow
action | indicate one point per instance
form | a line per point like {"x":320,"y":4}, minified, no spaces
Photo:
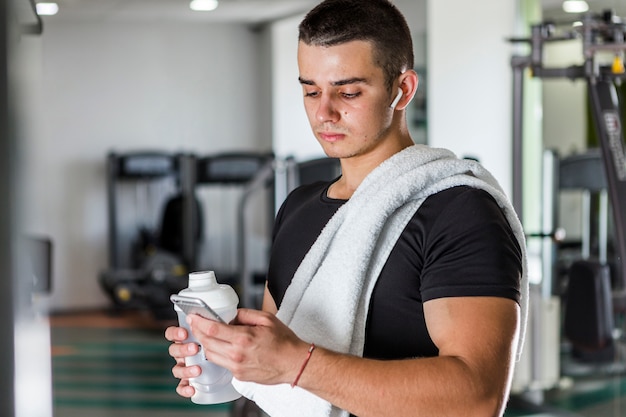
{"x":354,"y":80}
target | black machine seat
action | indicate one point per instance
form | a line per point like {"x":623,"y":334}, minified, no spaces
{"x":583,"y":171}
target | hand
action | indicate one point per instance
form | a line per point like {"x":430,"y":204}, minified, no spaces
{"x":256,"y":346}
{"x":179,"y":351}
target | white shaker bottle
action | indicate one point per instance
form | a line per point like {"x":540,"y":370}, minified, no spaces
{"x":213,"y":385}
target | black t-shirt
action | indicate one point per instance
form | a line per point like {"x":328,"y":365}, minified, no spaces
{"x":458,"y":243}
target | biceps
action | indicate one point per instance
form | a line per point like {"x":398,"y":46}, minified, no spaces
{"x":482,"y":331}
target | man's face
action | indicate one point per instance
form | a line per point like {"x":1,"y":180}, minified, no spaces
{"x":345,"y":97}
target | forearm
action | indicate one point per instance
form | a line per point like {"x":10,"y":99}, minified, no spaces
{"x":440,"y":386}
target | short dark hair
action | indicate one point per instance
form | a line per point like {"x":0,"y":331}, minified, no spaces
{"x":333,"y":22}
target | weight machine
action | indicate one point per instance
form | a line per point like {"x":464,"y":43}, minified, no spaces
{"x":148,"y":259}
{"x":149,"y":256}
{"x":603,"y":33}
{"x":252,"y":174}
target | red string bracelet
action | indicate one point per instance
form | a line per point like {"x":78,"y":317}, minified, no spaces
{"x":306,"y":361}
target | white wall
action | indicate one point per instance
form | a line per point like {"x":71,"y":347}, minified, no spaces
{"x":292,"y":133}
{"x":469,"y":81}
{"x":128,"y":86}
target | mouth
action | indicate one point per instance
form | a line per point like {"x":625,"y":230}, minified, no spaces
{"x":331,"y":136}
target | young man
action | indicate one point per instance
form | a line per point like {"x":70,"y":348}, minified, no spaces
{"x":394,"y":290}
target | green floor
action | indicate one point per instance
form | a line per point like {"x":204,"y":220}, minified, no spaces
{"x":117,"y":372}
{"x":123,"y":372}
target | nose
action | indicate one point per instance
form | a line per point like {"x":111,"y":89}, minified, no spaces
{"x":326,"y":110}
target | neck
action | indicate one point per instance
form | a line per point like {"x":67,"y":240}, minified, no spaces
{"x":355,"y":169}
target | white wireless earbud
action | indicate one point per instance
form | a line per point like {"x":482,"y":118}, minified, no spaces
{"x":395,"y":101}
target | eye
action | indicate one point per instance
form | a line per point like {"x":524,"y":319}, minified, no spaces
{"x":311,"y":94}
{"x":351,"y":95}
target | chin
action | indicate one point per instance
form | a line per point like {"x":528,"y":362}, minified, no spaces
{"x":334,"y":150}
{"x":334,"y":153}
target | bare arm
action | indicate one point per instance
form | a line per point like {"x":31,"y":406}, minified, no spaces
{"x":471,"y":376}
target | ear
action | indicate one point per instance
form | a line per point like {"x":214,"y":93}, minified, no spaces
{"x":408,"y":82}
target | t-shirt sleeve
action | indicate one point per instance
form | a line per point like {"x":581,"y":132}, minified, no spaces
{"x":471,"y":251}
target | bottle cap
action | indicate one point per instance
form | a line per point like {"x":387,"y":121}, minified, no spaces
{"x":204,"y":285}
{"x":202,"y":281}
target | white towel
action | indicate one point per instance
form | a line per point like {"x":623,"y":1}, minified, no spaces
{"x":343,"y":264}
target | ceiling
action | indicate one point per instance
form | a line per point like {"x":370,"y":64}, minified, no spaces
{"x":241,"y":11}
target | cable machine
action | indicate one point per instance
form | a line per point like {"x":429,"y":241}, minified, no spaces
{"x":600,"y":34}
{"x":604,"y":33}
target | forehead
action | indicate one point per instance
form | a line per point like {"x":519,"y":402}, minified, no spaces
{"x":332,"y":63}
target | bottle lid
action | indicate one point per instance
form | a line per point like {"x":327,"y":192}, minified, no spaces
{"x":202,"y":281}
{"x":204,"y":285}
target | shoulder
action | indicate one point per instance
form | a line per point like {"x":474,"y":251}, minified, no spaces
{"x":463,"y":206}
{"x":468,"y":220}
{"x":461,"y":195}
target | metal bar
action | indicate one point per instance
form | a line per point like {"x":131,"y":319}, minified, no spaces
{"x":606,"y":112}
{"x":548,"y":222}
{"x":572,"y":72}
{"x":114,"y":258}
{"x":518,"y":149}
{"x":186,"y":165}
{"x":248,"y":289}
{"x":603,"y":227}
{"x":586,"y":224}
{"x":607,"y":47}
{"x":7,"y":216}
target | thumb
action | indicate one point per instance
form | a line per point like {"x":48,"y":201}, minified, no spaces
{"x":249,"y":317}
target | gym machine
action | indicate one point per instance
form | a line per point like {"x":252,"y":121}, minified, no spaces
{"x":252,"y":173}
{"x":600,"y":34}
{"x":148,"y":258}
{"x":144,"y":270}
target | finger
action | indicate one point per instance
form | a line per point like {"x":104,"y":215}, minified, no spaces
{"x":221,"y":352}
{"x":182,"y":350}
{"x":176,"y":334}
{"x":185,"y":390}
{"x":222,"y":343}
{"x":246,"y":316}
{"x":183,"y":372}
{"x":202,"y":327}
